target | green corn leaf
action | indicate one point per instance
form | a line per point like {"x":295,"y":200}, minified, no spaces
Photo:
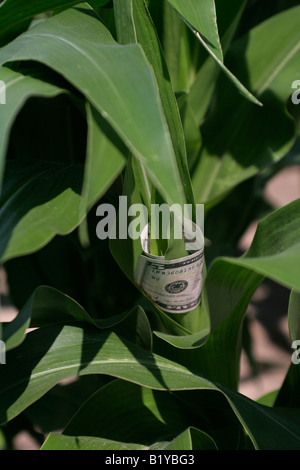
{"x":229,"y":286}
{"x":192,"y":439}
{"x":42,"y":195}
{"x":15,"y":15}
{"x":201,"y":90}
{"x":48,"y":306}
{"x":294,"y":315}
{"x":135,"y":418}
{"x":117,"y":80}
{"x":19,"y":88}
{"x":105,"y":159}
{"x":134,"y":24}
{"x":201,"y":17}
{"x":238,"y":139}
{"x":51,"y":354}
{"x":288,"y":395}
{"x":58,"y":442}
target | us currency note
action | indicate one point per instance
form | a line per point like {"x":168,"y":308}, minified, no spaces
{"x":173,"y":285}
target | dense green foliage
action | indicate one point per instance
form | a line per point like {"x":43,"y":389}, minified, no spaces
{"x":183,"y":101}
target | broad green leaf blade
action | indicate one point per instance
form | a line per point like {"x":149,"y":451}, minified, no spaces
{"x":51,"y":354}
{"x":117,"y":80}
{"x":16,"y":15}
{"x":65,"y":399}
{"x":105,"y":159}
{"x":201,"y":17}
{"x":191,"y":129}
{"x":46,"y":306}
{"x":134,"y":25}
{"x":192,"y":439}
{"x":142,"y":415}
{"x":104,"y":162}
{"x":2,"y":441}
{"x":126,"y":252}
{"x":19,"y":88}
{"x":275,"y":250}
{"x":190,"y":341}
{"x":227,"y":292}
{"x":288,"y":395}
{"x":228,"y":288}
{"x":195,"y":104}
{"x":14,"y":332}
{"x":187,"y":339}
{"x":60,"y":442}
{"x":172,"y":32}
{"x":49,"y":306}
{"x":268,"y":399}
{"x":138,"y":191}
{"x":202,"y":88}
{"x":231,"y":282}
{"x":250,"y":139}
{"x":146,"y":35}
{"x":282,"y":267}
{"x":42,"y":195}
{"x":285,"y":422}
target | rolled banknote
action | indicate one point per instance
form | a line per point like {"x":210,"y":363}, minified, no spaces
{"x":173,"y":285}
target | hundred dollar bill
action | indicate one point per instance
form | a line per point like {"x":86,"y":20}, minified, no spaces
{"x":173,"y":285}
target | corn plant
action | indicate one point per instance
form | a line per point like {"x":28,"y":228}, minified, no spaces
{"x":172,"y":101}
